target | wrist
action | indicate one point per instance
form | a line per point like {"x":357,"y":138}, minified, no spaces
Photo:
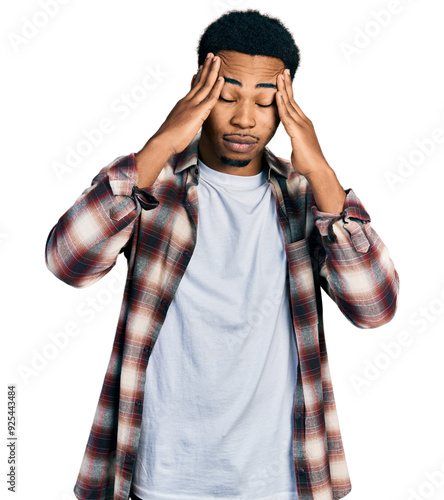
{"x":320,"y":171}
{"x":328,"y":193}
{"x":151,"y":159}
{"x":158,"y":143}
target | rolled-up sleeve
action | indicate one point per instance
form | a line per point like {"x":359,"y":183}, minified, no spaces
{"x":355,"y":268}
{"x":84,"y":244}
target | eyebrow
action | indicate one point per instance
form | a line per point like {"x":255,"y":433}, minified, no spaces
{"x":259,"y":85}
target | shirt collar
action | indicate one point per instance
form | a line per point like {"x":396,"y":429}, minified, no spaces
{"x":188,"y":158}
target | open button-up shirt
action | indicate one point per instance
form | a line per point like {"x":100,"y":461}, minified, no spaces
{"x":155,"y":228}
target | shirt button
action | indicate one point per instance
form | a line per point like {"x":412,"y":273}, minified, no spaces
{"x":196,"y":171}
{"x":297,"y":415}
{"x":301,"y":471}
{"x":186,"y":253}
{"x":138,"y":402}
{"x":146,"y":349}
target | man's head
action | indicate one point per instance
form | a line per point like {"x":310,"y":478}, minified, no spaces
{"x":254,"y":49}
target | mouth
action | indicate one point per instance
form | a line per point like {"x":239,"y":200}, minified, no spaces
{"x":240,"y":144}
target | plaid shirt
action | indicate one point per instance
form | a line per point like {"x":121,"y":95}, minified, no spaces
{"x":155,"y":228}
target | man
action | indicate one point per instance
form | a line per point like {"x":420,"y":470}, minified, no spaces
{"x":227,"y":248}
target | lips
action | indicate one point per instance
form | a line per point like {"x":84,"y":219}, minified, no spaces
{"x":240,"y":147}
{"x":240,"y":140}
{"x":240,"y":144}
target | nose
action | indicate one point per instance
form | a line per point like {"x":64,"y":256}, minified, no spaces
{"x":243,"y":115}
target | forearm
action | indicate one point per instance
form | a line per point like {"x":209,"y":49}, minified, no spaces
{"x":151,"y":159}
{"x":84,"y":244}
{"x":364,"y":285}
{"x":328,"y":193}
{"x":355,"y":266}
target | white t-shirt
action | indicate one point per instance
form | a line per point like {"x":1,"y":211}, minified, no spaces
{"x":220,"y":382}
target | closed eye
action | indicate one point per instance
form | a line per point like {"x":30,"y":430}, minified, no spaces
{"x":260,"y":105}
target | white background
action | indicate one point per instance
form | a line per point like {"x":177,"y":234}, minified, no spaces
{"x":70,"y":72}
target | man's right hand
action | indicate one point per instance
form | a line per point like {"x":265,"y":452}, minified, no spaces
{"x":182,"y":123}
{"x":188,"y":115}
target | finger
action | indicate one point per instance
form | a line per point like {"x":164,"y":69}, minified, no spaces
{"x":208,"y":79}
{"x":284,"y":100}
{"x":207,"y":104}
{"x":284,"y":114}
{"x":291,"y":106}
{"x":289,"y":88}
{"x":216,"y":90}
{"x":197,"y":76}
{"x":201,"y":77}
{"x":206,"y":64}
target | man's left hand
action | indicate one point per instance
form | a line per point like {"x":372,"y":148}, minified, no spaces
{"x":307,"y":157}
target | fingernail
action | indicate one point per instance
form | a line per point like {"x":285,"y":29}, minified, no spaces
{"x":208,"y":55}
{"x":287,"y":71}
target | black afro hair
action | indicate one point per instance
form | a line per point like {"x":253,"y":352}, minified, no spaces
{"x":252,"y":33}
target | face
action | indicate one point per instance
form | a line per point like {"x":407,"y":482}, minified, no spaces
{"x":246,"y":111}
